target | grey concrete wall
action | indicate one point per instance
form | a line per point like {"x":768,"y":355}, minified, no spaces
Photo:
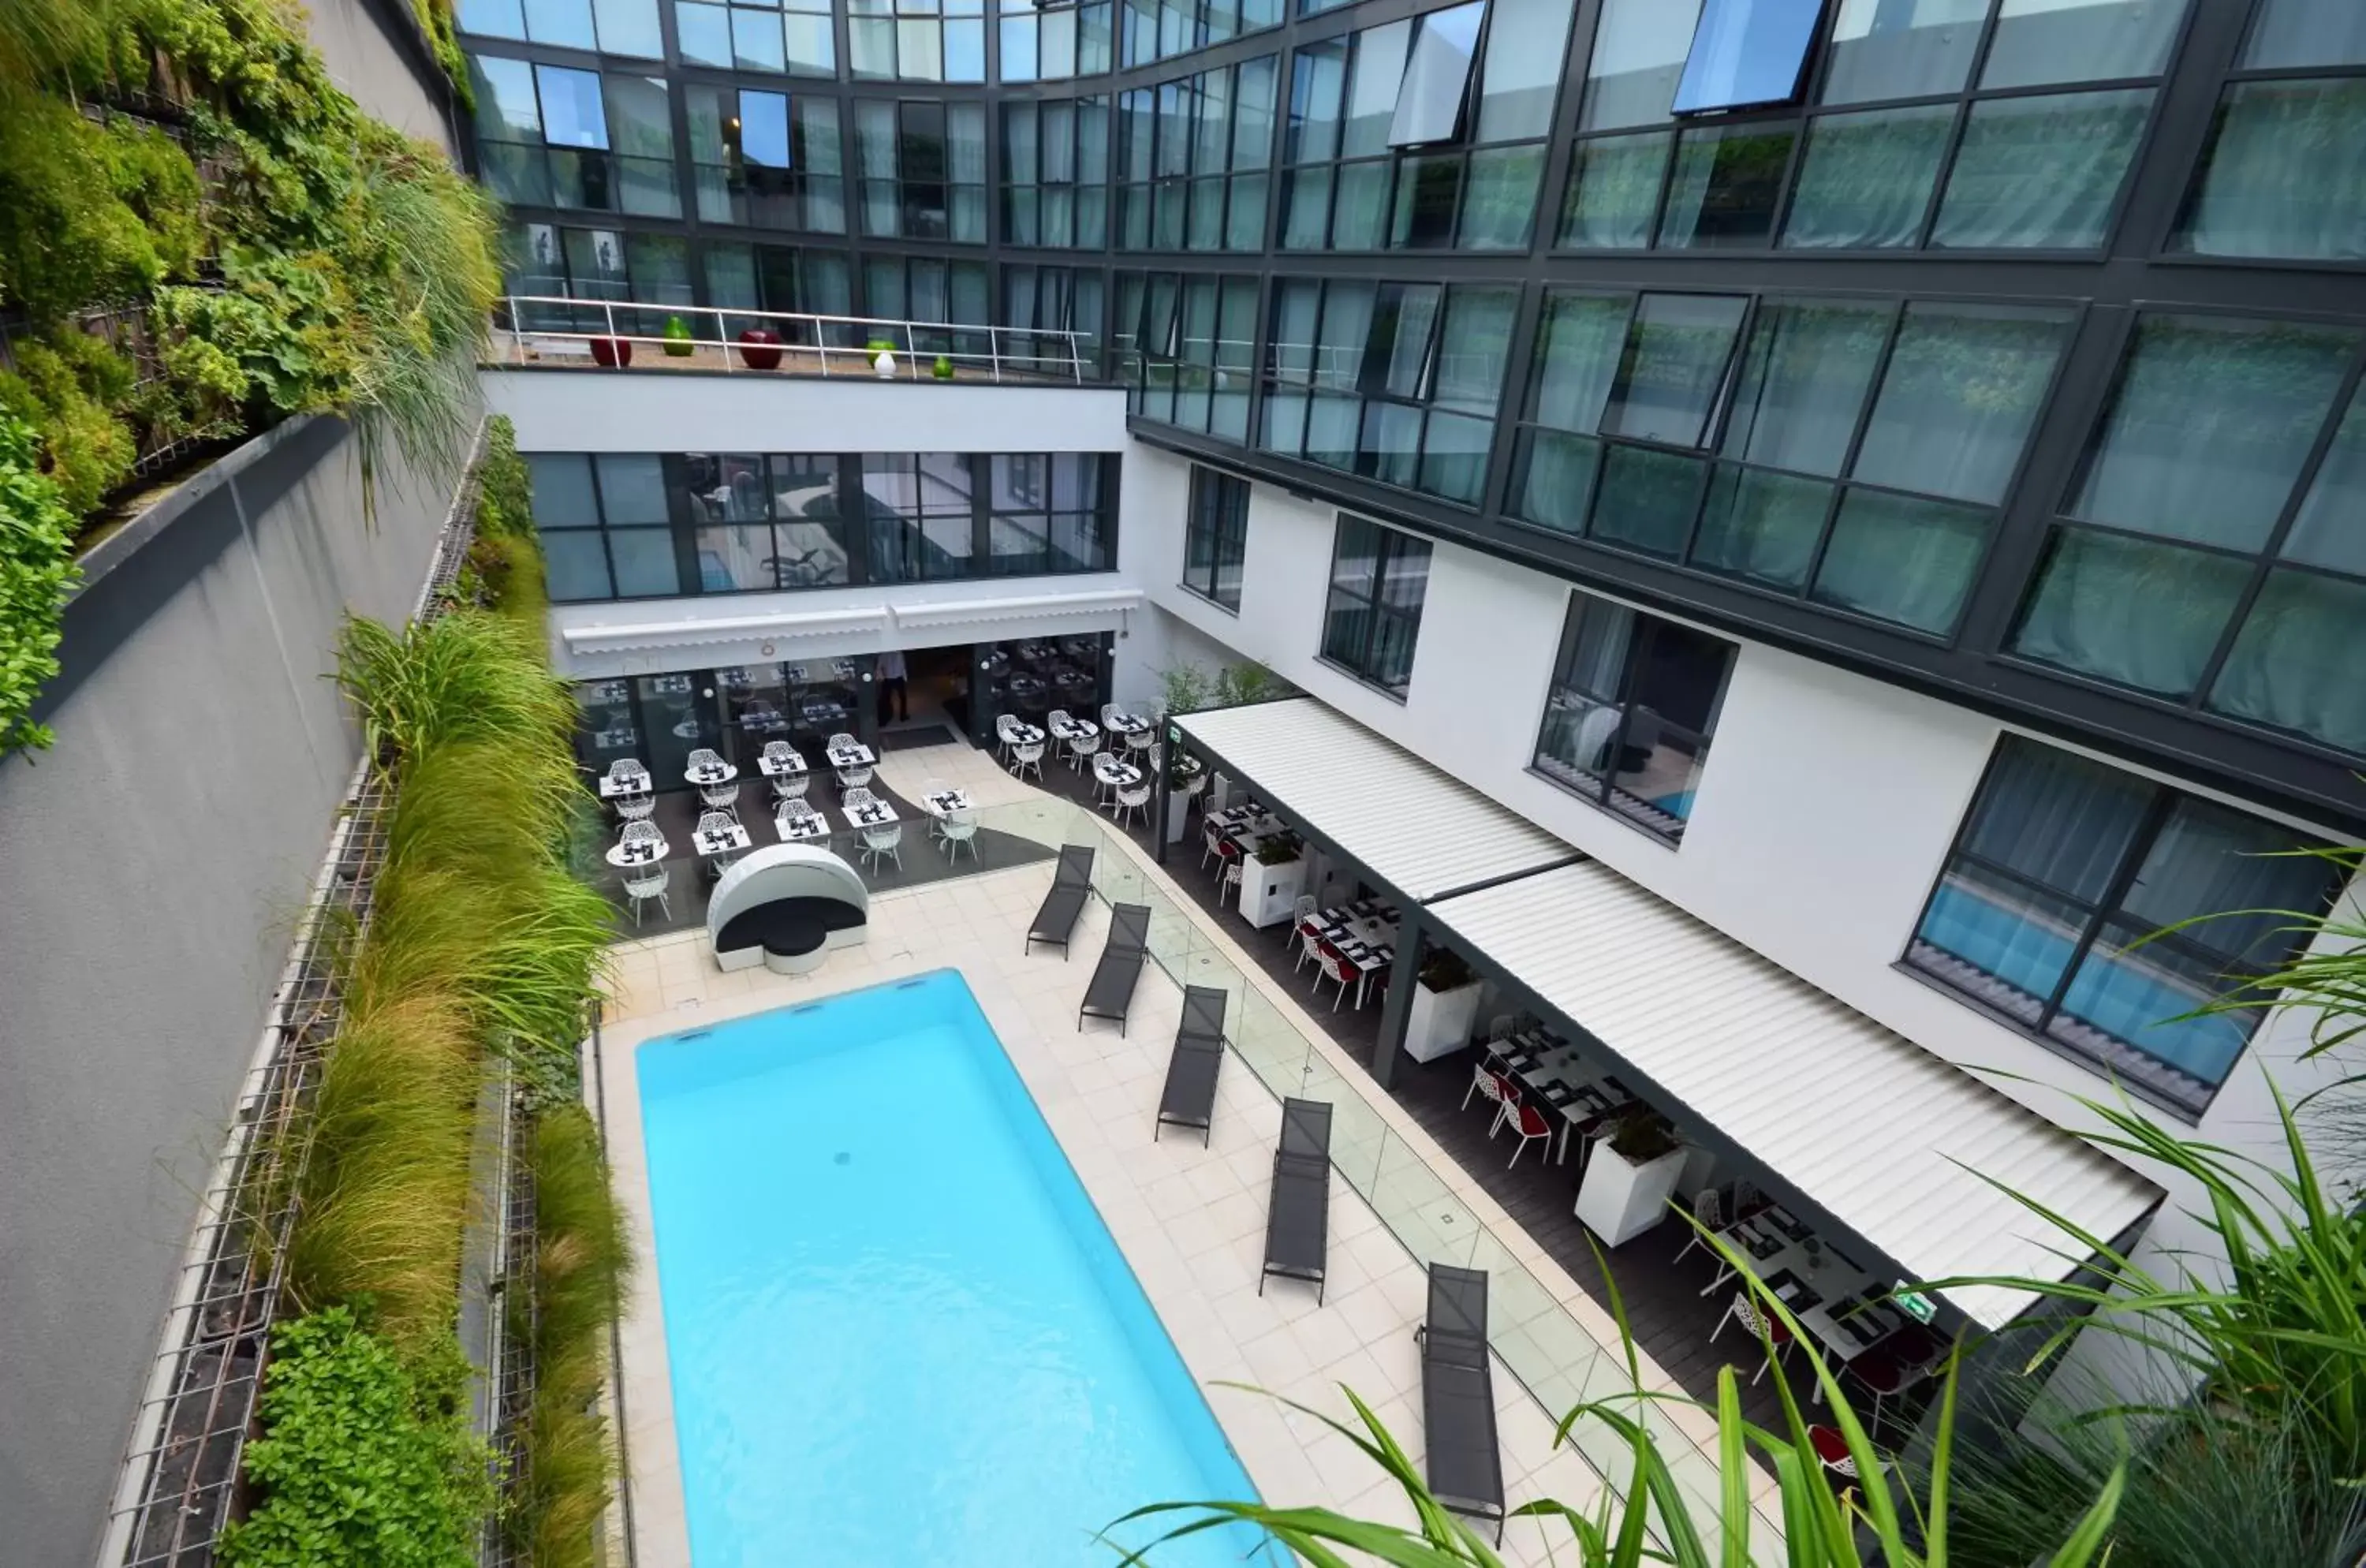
{"x":152,"y":867}
{"x":374,"y":52}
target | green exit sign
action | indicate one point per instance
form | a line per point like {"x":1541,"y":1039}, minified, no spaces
{"x":1913,"y":1303}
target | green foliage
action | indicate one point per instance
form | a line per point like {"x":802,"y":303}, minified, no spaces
{"x":442,"y":36}
{"x":364,"y":1460}
{"x":89,"y":213}
{"x":37,"y":572}
{"x":469,"y":675}
{"x":1187,"y":687}
{"x":505,"y":492}
{"x":581,"y":1262}
{"x":65,"y":386}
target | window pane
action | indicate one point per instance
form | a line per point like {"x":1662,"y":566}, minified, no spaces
{"x":571,"y":115}
{"x":566,"y":22}
{"x":575,"y":566}
{"x":632,"y":488}
{"x":2294,"y":666}
{"x":629,"y":27}
{"x":1454,"y":456}
{"x":1728,"y":182}
{"x":1647,"y":500}
{"x":1762,"y":526}
{"x":1865,"y":179}
{"x":2285,"y":174}
{"x":645,"y":562}
{"x":1499,"y":199}
{"x":2039,"y":41}
{"x":2060,"y":818}
{"x":1746,"y":53}
{"x":2208,"y":860}
{"x":2016,"y":940}
{"x":494,"y":19}
{"x":2306,"y":32}
{"x":506,"y":107}
{"x":1346,"y":324}
{"x":2127,"y":610}
{"x":562,"y":491}
{"x":1554,"y":475}
{"x":1902,"y":49}
{"x":2138,"y":996}
{"x":764,"y":129}
{"x":1437,"y":76}
{"x":1674,"y":365}
{"x":2042,"y":172}
{"x":1472,"y":349}
{"x":1372,"y":89}
{"x":1803,"y":383}
{"x":735,"y":559}
{"x":1614,"y":191}
{"x":1897,"y":558}
{"x":1318,"y":76}
{"x":2210,"y":424}
{"x":2331,"y":529}
{"x":1675,"y":687}
{"x":703,"y":33}
{"x":1526,"y":41}
{"x":1961,"y":391}
{"x":1640,"y":48}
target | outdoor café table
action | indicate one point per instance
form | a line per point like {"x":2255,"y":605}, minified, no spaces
{"x":1366,"y":958}
{"x":722,"y":841}
{"x":1560,"y":1077}
{"x":1025,"y":734}
{"x":625,"y":857}
{"x":855,"y":756}
{"x":1833,"y":1298}
{"x":773,"y":767}
{"x":1127,"y":723}
{"x":870,"y":814}
{"x":712,"y":773}
{"x":612,"y":788}
{"x":1108,"y":769}
{"x":946,"y":802}
{"x":801,"y":827}
{"x":1074,"y":729}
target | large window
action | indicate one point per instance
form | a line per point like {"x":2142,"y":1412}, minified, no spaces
{"x":551,"y":137}
{"x":1186,"y":349}
{"x":1052,"y":299}
{"x":1634,"y":702}
{"x":1051,"y":42}
{"x":2285,"y":171}
{"x":1424,"y":133}
{"x":769,"y":160}
{"x":1852,"y":452}
{"x":2054,"y":910}
{"x":922,"y":165}
{"x":1156,"y":29}
{"x":1378,"y":578}
{"x":1192,"y":155}
{"x":611,"y":26}
{"x":2218,"y":552}
{"x":917,"y":40}
{"x":592,"y":264}
{"x":1215,"y":536}
{"x":2005,"y":160}
{"x":1398,"y":382}
{"x":628,"y":526}
{"x":793,"y":36}
{"x":1056,"y":173}
{"x":775,"y":278}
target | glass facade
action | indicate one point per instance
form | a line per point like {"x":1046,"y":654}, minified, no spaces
{"x":1192,"y":156}
{"x":654,"y":525}
{"x":2054,"y":908}
{"x":2284,"y":175}
{"x":1633,"y":705}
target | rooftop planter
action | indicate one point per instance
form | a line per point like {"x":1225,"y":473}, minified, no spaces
{"x":1630,"y":1178}
{"x":760,"y":348}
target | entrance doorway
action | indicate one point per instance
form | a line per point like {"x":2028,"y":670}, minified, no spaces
{"x":934,"y":697}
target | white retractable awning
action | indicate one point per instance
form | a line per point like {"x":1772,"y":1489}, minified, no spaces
{"x":1893,"y":1143}
{"x":1417,"y":828}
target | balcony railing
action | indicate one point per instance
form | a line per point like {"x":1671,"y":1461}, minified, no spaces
{"x":612,"y":333}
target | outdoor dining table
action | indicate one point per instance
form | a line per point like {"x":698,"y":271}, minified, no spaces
{"x":945,"y":802}
{"x":1366,"y":943}
{"x":778,"y":767}
{"x":1073,"y":729}
{"x":1025,"y":734}
{"x":722,"y":841}
{"x":1833,"y":1296}
{"x":712,"y":773}
{"x":872,"y":814}
{"x":855,"y":756}
{"x":611,"y":788}
{"x":801,"y":826}
{"x":1562,"y":1077}
{"x":626,"y":856}
{"x":1124,"y":776}
{"x":1127,"y":723}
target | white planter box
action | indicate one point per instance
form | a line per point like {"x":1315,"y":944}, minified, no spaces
{"x":1269,"y":893}
{"x":1178,"y":816}
{"x":1619,"y":1201}
{"x":1438,"y":1023}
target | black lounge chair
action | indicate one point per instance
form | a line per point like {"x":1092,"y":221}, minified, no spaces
{"x":1464,"y":1462}
{"x":1189,"y":1100}
{"x":1110,"y":991}
{"x":1072,"y":884}
{"x":1298,"y":1214}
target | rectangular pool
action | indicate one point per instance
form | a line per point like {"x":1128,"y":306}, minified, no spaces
{"x":899,"y":1334}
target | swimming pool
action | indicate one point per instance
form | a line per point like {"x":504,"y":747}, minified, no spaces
{"x":898,"y":1332}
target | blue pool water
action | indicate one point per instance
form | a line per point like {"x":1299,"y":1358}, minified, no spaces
{"x":1677,"y":804}
{"x":899,"y":1334}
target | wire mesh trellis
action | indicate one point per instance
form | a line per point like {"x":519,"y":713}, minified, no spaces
{"x":181,"y":1477}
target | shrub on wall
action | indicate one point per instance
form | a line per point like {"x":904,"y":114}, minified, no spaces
{"x":36,"y":571}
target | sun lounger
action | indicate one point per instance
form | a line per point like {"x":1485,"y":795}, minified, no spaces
{"x":1072,"y":884}
{"x":1190,"y":1099}
{"x":1298,"y":1214}
{"x":1464,"y":1462}
{"x":1110,"y":991}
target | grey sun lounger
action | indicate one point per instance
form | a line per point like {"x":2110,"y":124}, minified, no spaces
{"x":1298,"y":1214}
{"x":1072,"y":884}
{"x":1190,"y":1099}
{"x":1110,"y":991}
{"x":1458,"y":1397}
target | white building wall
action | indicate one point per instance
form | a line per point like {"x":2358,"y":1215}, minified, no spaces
{"x":1826,"y":805}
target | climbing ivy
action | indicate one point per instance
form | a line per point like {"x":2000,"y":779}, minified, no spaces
{"x":36,"y":571}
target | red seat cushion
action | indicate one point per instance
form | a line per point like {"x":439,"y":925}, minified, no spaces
{"x":1829,"y":1445}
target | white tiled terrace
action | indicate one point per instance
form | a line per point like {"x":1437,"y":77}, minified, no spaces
{"x":1189,"y":1219}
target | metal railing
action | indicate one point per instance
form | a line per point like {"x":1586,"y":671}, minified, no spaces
{"x":180,"y":1480}
{"x":555,"y":325}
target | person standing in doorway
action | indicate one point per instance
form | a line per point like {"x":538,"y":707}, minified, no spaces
{"x":892,"y":687}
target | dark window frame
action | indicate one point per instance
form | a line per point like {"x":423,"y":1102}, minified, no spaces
{"x":1391,"y":547}
{"x":1216,"y":515}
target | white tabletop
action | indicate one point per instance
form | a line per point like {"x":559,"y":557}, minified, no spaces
{"x":1128,"y":723}
{"x":878,"y":814}
{"x":947,"y":800}
{"x":803,"y":825}
{"x":611,"y":788}
{"x":1828,"y":1274}
{"x":1125,"y":775}
{"x":781,"y":767}
{"x":1075,"y":729}
{"x":716,"y":775}
{"x":851,"y":757}
{"x":722,"y":841}
{"x":1025,"y":734}
{"x":626,"y":857}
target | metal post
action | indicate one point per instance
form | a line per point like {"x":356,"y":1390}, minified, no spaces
{"x":994,"y":352}
{"x":821,"y":343}
{"x":1166,"y":797}
{"x":723,"y":340}
{"x":911,"y":351}
{"x":1403,"y":975}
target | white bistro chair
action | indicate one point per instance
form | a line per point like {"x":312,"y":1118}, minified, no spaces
{"x":1132,"y":801}
{"x":957,"y":829}
{"x":884,"y":841}
{"x":637,"y":807}
{"x":1080,"y":747}
{"x":645,"y":883}
{"x":1003,"y":738}
{"x":1024,"y":758}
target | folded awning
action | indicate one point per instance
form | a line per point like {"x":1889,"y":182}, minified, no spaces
{"x":1416,"y":829}
{"x":1893,"y":1143}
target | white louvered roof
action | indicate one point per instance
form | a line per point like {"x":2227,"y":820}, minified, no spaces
{"x":1417,"y":828}
{"x":1889,"y":1139}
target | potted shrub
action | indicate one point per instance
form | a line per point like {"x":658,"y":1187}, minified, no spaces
{"x":677,"y":338}
{"x":1630,"y":1178}
{"x":1444,"y":1006}
{"x":612,"y":352}
{"x":882,"y":354}
{"x":760,"y":348}
{"x":942,"y":370}
{"x":1271,"y":877}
